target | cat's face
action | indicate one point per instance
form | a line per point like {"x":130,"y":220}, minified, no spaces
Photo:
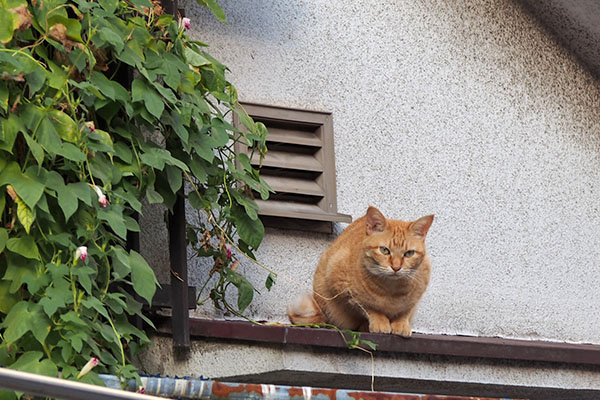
{"x":394,"y":249}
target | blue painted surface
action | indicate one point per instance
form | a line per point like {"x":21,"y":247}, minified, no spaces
{"x":204,"y":389}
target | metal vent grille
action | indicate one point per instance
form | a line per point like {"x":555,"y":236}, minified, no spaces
{"x":299,"y":165}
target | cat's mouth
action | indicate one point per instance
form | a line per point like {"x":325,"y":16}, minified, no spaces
{"x":403,"y":273}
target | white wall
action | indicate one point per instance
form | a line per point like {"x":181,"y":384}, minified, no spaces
{"x":466,"y":109}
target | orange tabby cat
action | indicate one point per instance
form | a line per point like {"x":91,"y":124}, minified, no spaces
{"x":373,"y":274}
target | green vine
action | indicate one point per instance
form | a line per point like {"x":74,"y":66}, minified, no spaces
{"x":104,"y":105}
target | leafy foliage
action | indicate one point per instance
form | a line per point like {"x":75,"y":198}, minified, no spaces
{"x":83,"y":141}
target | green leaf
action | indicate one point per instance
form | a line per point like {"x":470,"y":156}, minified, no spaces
{"x":203,"y":144}
{"x":45,"y":367}
{"x":10,"y":129}
{"x":372,"y":345}
{"x":36,"y":150}
{"x":157,"y":158}
{"x":142,"y":277}
{"x":28,"y":189}
{"x":3,"y":238}
{"x":86,"y":275}
{"x":89,"y":88}
{"x":24,"y":246}
{"x":245,"y":162}
{"x":195,"y":201}
{"x":174,"y":120}
{"x":51,"y":304}
{"x":3,"y":95}
{"x":140,"y":91}
{"x":9,"y":21}
{"x":7,"y":299}
{"x":194,"y":58}
{"x":25,"y":317}
{"x":95,"y":304}
{"x":15,"y":322}
{"x":48,"y":136}
{"x":110,"y":36}
{"x":35,"y":281}
{"x":112,"y":90}
{"x":114,"y":217}
{"x":120,"y":262}
{"x":141,"y":3}
{"x":35,"y":79}
{"x":83,"y":191}
{"x":175,"y":178}
{"x":39,"y":324}
{"x":58,"y":77}
{"x":215,"y":8}
{"x":67,"y":201}
{"x":250,"y":231}
{"x":73,"y":318}
{"x":71,"y":152}
{"x":73,"y":26}
{"x":109,"y":5}
{"x":17,"y":272}
{"x":198,"y":170}
{"x":270,"y":281}
{"x":249,"y":205}
{"x":153,"y":196}
{"x":219,"y":134}
{"x":245,"y":288}
{"x":25,"y":214}
{"x":65,"y":126}
{"x":58,"y":296}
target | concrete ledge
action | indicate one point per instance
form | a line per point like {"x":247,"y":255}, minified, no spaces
{"x":445,"y":345}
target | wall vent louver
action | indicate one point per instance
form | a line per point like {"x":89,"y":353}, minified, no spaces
{"x":299,"y":166}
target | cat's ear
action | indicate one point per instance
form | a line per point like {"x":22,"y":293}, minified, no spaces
{"x":421,"y":226}
{"x":375,"y":220}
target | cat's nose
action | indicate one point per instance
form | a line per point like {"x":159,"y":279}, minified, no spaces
{"x":396,"y":266}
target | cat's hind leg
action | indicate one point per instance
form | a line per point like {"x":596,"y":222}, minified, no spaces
{"x":304,"y":311}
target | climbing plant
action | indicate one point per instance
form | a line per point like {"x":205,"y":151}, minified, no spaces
{"x":104,"y":105}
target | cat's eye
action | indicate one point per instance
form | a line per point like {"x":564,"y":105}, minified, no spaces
{"x":384,"y":250}
{"x":409,"y":253}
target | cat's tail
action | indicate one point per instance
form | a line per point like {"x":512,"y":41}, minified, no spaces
{"x":304,"y":310}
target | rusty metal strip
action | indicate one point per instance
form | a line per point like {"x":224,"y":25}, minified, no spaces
{"x":444,"y":345}
{"x":212,"y":390}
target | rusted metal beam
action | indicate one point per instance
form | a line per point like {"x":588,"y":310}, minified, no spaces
{"x":213,"y":390}
{"x":444,"y":345}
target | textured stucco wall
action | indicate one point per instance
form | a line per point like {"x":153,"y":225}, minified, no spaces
{"x":466,"y":109}
{"x":220,"y":361}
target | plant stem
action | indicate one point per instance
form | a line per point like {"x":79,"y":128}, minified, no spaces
{"x":118,"y":339}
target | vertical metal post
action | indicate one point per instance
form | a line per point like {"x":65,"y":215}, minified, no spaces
{"x":179,"y":276}
{"x":170,"y":6}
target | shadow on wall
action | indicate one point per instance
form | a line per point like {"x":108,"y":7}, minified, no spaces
{"x":247,"y":19}
{"x":574,"y":23}
{"x":541,"y":68}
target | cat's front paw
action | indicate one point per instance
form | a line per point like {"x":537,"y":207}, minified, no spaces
{"x":380,"y":325}
{"x":401,"y":327}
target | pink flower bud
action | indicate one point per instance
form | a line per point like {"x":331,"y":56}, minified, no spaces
{"x":102,"y":199}
{"x":81,"y":252}
{"x":90,"y":124}
{"x":228,"y":248}
{"x":88,"y":367}
{"x":186,"y":23}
